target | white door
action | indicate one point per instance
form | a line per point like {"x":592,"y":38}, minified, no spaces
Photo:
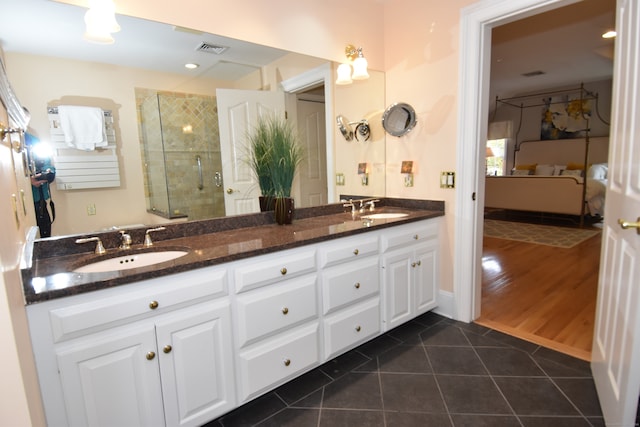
{"x":616,"y":344}
{"x":238,"y":112}
{"x":313,"y":173}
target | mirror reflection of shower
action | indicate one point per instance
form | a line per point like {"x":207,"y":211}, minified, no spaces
{"x":180,"y":147}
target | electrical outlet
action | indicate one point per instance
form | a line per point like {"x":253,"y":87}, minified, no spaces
{"x":91,"y":209}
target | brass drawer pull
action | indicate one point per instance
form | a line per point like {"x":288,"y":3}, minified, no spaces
{"x":358,"y":328}
{"x":151,"y":355}
{"x":356,"y":252}
{"x":283,"y":271}
{"x":287,"y":362}
{"x":357,"y":285}
{"x":167,"y":348}
{"x":285,"y":310}
{"x":153,"y":305}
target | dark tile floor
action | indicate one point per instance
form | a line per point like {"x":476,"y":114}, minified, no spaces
{"x":434,"y":371}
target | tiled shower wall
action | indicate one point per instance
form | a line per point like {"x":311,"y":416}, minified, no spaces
{"x":176,"y":128}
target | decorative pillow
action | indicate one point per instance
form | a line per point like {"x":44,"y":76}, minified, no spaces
{"x":557,"y":169}
{"x":522,"y":172}
{"x":575,"y":166}
{"x":529,"y":167}
{"x":572,"y":172}
{"x":598,"y":171}
{"x":545,"y":170}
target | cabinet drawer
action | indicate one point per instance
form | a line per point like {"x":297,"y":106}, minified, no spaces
{"x":352,"y":326}
{"x":273,"y":308}
{"x":95,"y":311}
{"x":271,"y":268}
{"x":350,"y":283}
{"x":348,"y":249}
{"x":277,"y":360}
{"x":397,"y":237}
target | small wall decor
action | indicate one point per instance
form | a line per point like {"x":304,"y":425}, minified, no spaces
{"x":363,"y":171}
{"x":407,"y":170}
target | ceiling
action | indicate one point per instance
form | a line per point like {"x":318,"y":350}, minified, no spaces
{"x":45,"y":27}
{"x":565,"y":44}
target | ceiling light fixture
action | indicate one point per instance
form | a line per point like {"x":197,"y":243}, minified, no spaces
{"x":610,"y":34}
{"x":359,"y":63}
{"x":100,"y":21}
{"x":191,"y":66}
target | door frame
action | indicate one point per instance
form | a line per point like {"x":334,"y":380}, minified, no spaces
{"x":316,"y":76}
{"x":476,"y":23}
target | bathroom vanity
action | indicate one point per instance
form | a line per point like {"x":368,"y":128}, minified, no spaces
{"x":185,"y":341}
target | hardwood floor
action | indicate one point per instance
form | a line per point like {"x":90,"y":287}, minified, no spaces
{"x":542,"y":294}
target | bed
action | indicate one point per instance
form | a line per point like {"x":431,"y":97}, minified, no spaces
{"x":549,"y":176}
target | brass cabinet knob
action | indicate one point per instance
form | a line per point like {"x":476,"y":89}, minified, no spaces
{"x":415,"y":237}
{"x":413,"y":264}
{"x":419,"y":263}
{"x":356,"y":252}
{"x":358,"y":328}
{"x":283,"y":271}
{"x":287,"y":362}
{"x":229,"y":190}
{"x":285,"y":310}
{"x":357,"y":285}
{"x":167,"y":348}
{"x":153,"y":305}
{"x":151,"y":355}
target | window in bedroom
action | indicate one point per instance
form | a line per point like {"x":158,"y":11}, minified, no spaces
{"x":496,"y":157}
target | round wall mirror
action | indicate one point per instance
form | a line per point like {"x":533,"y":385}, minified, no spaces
{"x":398,"y":119}
{"x":345,"y":127}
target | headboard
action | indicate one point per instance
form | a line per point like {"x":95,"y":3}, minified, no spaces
{"x":562,"y":151}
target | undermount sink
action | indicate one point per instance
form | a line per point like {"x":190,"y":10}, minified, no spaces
{"x":389,"y":215}
{"x":134,"y":260}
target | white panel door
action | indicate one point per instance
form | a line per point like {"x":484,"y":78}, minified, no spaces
{"x":196,"y":364}
{"x":238,"y":113}
{"x":313,"y":171}
{"x":112,"y":379}
{"x":397,"y":287}
{"x":616,"y":345}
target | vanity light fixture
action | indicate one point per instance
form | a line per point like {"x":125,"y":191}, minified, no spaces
{"x":609,"y":34}
{"x":100,"y":21}
{"x":357,"y":61}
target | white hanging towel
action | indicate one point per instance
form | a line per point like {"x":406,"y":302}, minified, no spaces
{"x":83,"y":127}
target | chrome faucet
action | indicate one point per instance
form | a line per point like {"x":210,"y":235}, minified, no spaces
{"x":147,"y":237}
{"x":126,"y":240}
{"x":352,"y":205}
{"x":99,"y":247}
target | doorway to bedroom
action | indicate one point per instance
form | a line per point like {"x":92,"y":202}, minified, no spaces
{"x":540,"y":290}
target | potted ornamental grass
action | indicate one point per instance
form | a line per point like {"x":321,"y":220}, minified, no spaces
{"x":275,"y":156}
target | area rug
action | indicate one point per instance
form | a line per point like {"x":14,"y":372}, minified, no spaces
{"x":563,"y":237}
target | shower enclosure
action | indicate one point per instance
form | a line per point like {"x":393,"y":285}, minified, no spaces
{"x":180,"y":146}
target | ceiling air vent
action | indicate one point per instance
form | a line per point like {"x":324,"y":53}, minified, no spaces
{"x":534,"y":73}
{"x":211,"y":48}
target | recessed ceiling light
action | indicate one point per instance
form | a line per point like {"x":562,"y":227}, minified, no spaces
{"x":609,"y":34}
{"x":191,"y":66}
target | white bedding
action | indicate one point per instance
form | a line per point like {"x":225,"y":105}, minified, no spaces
{"x":596,"y":189}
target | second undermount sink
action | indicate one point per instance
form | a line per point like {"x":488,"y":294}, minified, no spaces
{"x":388,"y":215}
{"x":134,"y":260}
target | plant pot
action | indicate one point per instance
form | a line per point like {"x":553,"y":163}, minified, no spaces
{"x":267,"y":203}
{"x":283,"y":210}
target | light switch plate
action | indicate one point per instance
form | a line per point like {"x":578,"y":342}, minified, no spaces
{"x":447,"y":180}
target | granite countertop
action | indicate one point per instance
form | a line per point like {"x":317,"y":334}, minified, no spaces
{"x":47,"y":271}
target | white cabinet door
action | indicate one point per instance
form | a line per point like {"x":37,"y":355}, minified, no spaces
{"x":397,"y":278}
{"x":112,"y":379}
{"x":426,"y":277}
{"x":410,"y":278}
{"x":196,"y":363}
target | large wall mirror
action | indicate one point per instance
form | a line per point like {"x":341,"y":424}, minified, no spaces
{"x":141,"y":78}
